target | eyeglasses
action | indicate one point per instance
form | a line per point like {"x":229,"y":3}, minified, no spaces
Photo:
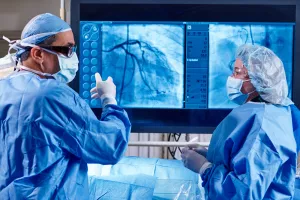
{"x":65,"y":51}
{"x":240,"y":71}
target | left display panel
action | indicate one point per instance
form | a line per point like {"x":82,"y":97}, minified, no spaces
{"x":146,"y":62}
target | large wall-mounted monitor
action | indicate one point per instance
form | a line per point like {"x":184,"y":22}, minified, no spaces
{"x":170,"y":62}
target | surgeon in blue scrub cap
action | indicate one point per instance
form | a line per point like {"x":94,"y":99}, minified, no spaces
{"x":253,"y":151}
{"x":48,"y":133}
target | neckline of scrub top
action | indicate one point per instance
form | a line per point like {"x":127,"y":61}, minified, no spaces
{"x":41,"y":77}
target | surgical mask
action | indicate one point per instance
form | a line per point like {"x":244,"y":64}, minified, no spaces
{"x":68,"y":68}
{"x":234,"y":92}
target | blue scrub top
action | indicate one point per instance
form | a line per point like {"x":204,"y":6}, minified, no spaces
{"x":48,"y":135}
{"x":254,"y":153}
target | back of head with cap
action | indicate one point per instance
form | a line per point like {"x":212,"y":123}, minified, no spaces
{"x":39,"y":29}
{"x":266,"y":72}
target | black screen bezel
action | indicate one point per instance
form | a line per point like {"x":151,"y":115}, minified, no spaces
{"x":186,"y":120}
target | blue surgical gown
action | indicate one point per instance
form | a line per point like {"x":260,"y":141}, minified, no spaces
{"x":48,"y":135}
{"x":254,"y":153}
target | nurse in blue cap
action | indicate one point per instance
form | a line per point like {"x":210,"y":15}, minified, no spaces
{"x":253,"y":151}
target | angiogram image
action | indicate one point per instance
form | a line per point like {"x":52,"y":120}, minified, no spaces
{"x":146,"y":63}
{"x":223,"y":43}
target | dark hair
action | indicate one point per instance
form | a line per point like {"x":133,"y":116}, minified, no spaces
{"x":24,"y":56}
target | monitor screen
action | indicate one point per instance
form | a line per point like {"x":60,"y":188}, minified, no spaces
{"x":170,"y":60}
{"x":173,"y":64}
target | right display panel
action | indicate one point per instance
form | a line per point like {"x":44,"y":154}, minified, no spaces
{"x":224,"y":39}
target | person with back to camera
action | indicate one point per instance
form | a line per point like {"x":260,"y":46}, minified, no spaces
{"x":253,"y":151}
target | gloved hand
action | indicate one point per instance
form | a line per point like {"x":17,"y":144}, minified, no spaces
{"x":194,"y":161}
{"x":105,"y":90}
{"x":199,"y":149}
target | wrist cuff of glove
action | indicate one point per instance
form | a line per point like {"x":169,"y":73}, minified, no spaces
{"x":204,"y":167}
{"x":106,"y":99}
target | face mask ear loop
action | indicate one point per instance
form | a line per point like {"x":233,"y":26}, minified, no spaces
{"x":252,"y":92}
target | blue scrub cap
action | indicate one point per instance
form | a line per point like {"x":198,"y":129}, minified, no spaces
{"x":37,"y":30}
{"x":43,"y":26}
{"x":266,"y":72}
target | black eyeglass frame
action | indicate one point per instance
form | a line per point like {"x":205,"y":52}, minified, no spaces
{"x":65,"y":51}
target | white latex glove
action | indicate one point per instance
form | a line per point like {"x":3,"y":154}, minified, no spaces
{"x":105,"y":90}
{"x":199,"y":149}
{"x":194,"y":161}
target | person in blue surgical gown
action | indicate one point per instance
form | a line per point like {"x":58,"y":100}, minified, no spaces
{"x":253,"y":151}
{"x":48,"y":133}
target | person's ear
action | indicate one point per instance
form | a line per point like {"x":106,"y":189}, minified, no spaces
{"x":247,"y":87}
{"x":36,"y":54}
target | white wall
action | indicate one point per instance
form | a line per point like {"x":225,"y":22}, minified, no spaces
{"x":14,"y":14}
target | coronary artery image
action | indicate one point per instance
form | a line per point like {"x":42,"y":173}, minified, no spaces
{"x":146,"y":62}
